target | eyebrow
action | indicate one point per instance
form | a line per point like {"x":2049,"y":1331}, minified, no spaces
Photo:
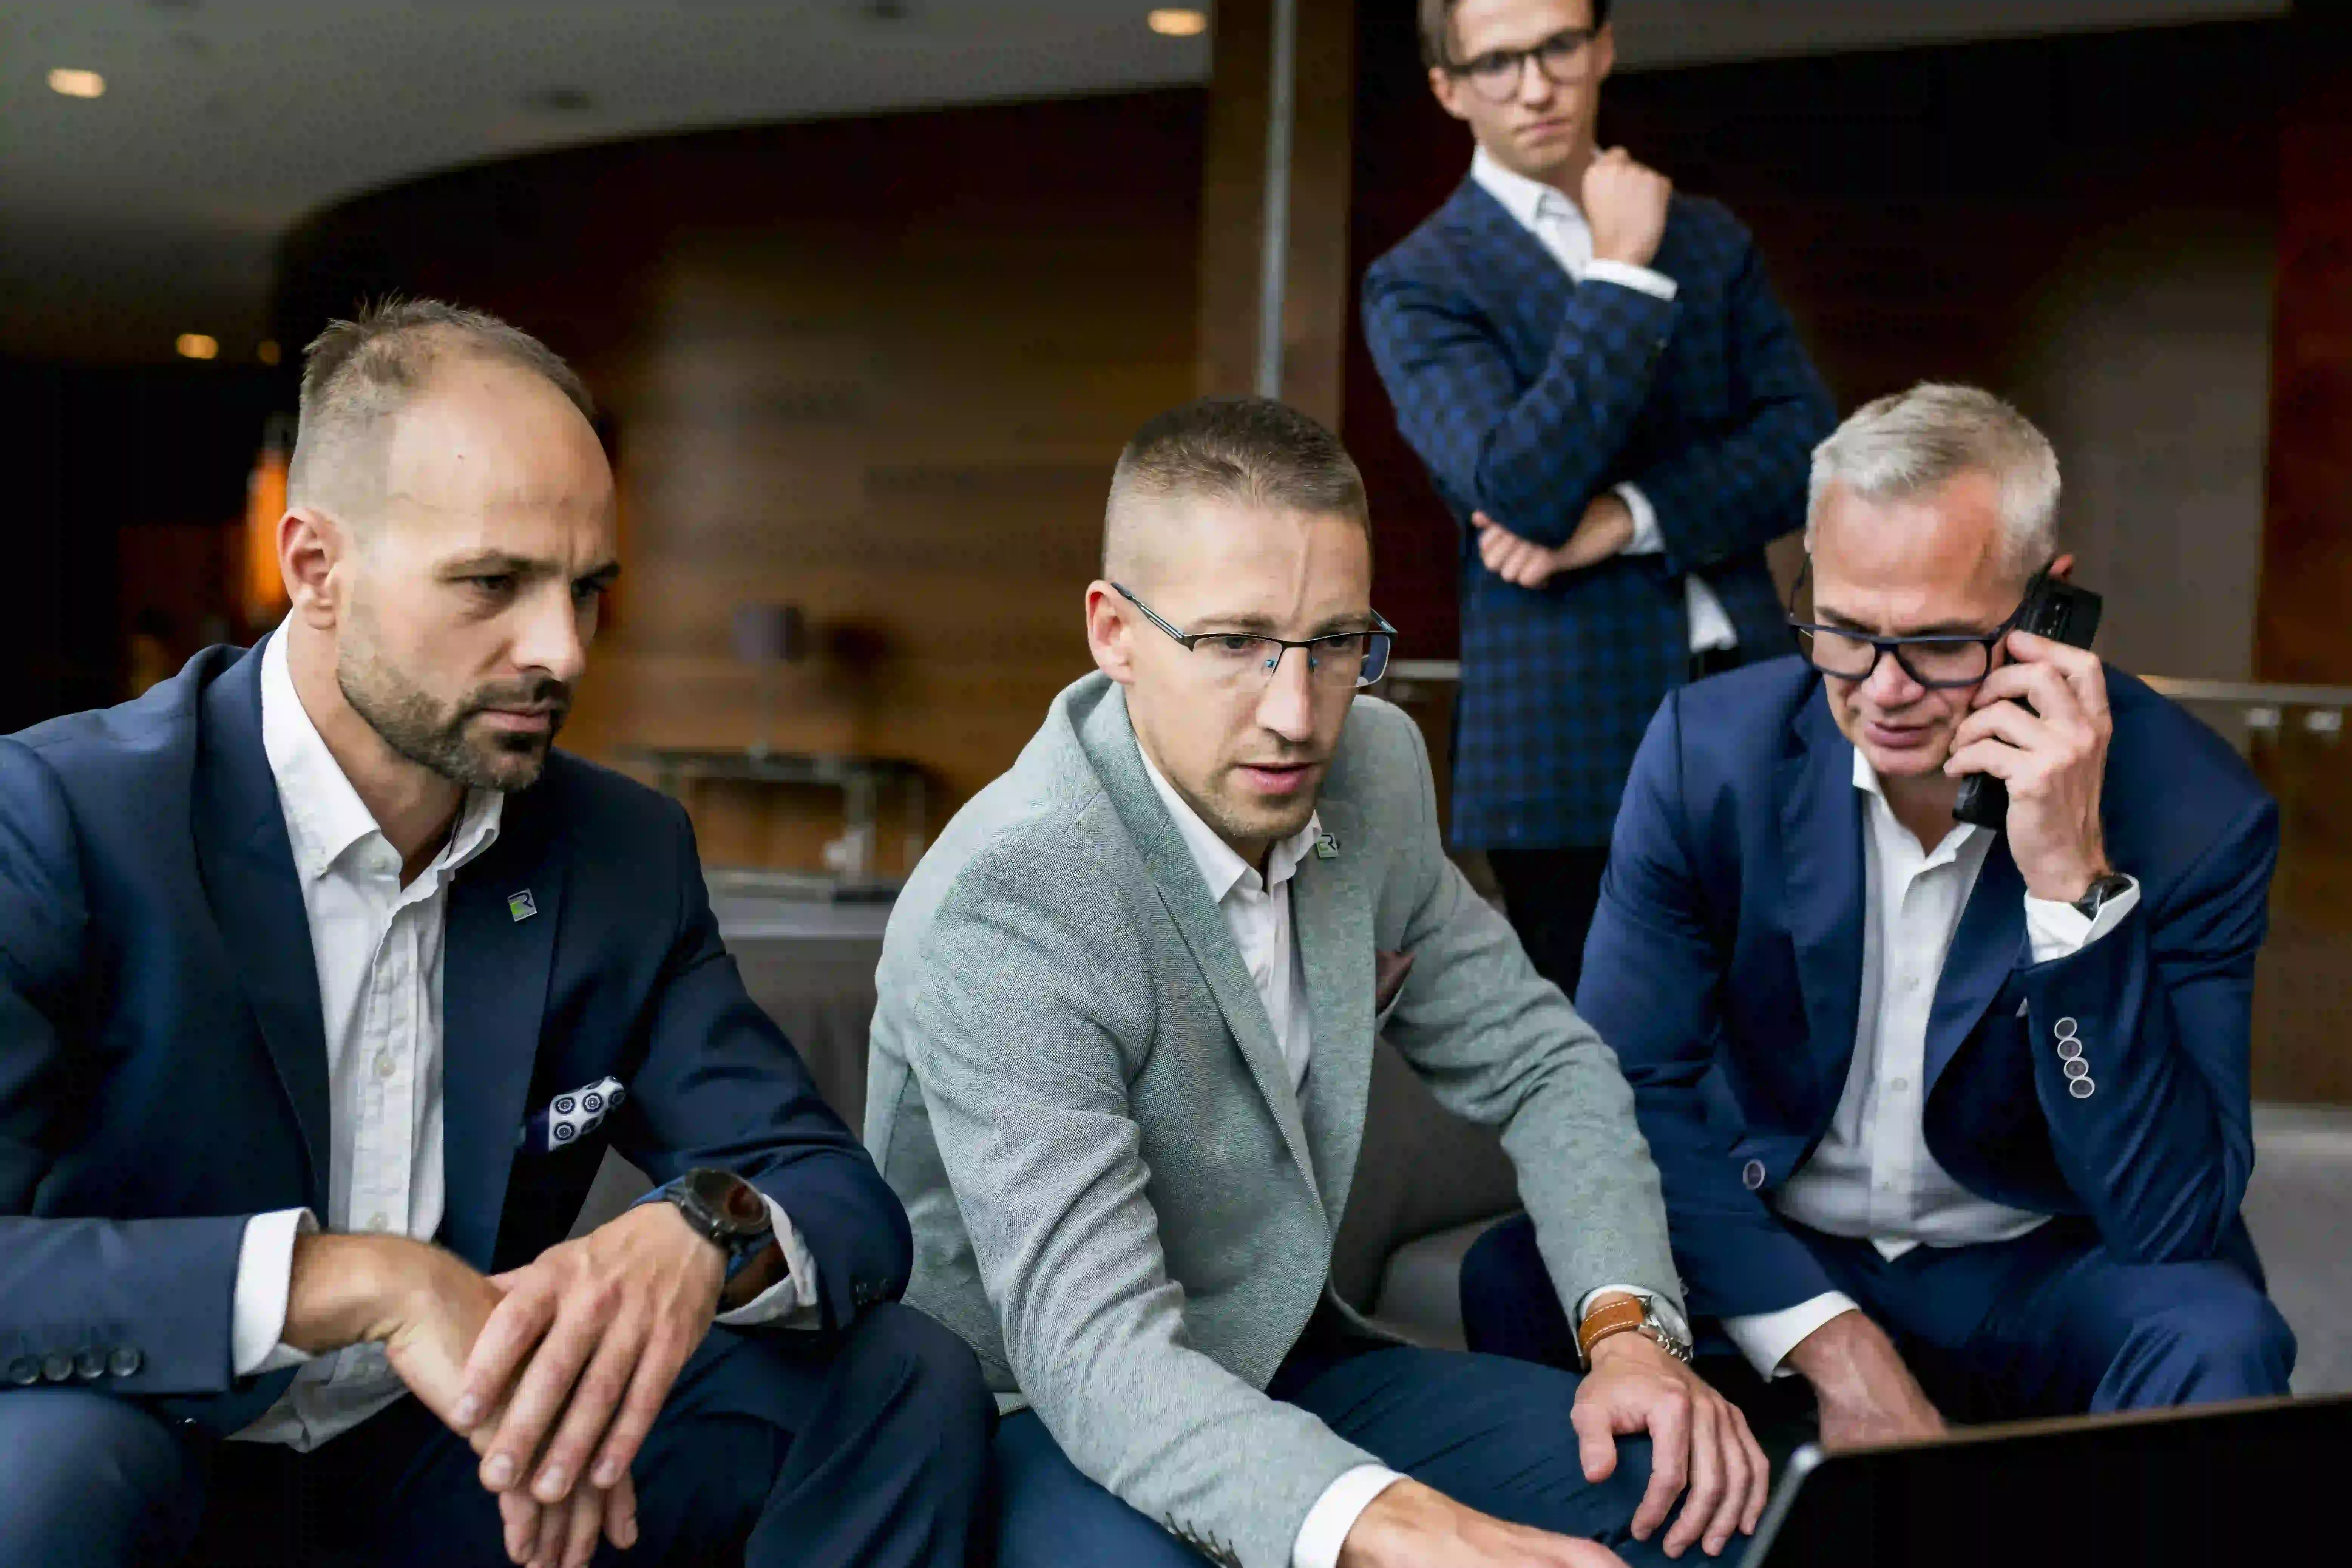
{"x":500,"y":560}
{"x":1265,"y":625}
{"x":1830,"y":617}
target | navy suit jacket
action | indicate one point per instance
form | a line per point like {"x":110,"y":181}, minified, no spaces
{"x":1528,"y":394}
{"x":1724,"y":966}
{"x":162,"y":1061}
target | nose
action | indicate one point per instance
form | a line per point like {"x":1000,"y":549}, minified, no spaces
{"x":1286,"y":706}
{"x":1535,"y":87}
{"x":549,"y":635}
{"x":1890,"y":686}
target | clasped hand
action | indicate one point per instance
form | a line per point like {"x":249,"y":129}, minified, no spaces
{"x":1606,"y":528}
{"x":556,"y":1372}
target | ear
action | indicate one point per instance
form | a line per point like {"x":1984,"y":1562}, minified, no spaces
{"x":310,"y":546}
{"x":2062,"y":569}
{"x":1109,"y":628}
{"x":1604,"y":52}
{"x":1445,"y":88}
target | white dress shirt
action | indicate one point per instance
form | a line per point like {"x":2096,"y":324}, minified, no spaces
{"x":1257,"y":911}
{"x":378,"y":950}
{"x":1560,"y":227}
{"x":1872,"y":1177}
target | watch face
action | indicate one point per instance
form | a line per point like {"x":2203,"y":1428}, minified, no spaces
{"x":732,"y":1199}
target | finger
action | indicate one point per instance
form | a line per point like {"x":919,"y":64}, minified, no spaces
{"x":588,"y":1412}
{"x":1494,"y":549}
{"x":554,"y":1523}
{"x":584,"y":1516}
{"x":1670,"y":1452}
{"x":656,"y":1369}
{"x":1759,"y":1475}
{"x":1706,"y":1482}
{"x":1997,"y":758}
{"x":1596,"y":1445}
{"x":1480,"y":521}
{"x":2011,"y":725}
{"x":1733,"y":1455}
{"x":621,"y":1513}
{"x":2043,"y":685}
{"x":515,"y":1326}
{"x":519,"y":1517}
{"x":541,"y":1394}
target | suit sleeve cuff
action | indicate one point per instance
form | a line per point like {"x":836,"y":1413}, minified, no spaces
{"x":1766,"y":1338}
{"x":264,"y":1275}
{"x":1335,"y":1514}
{"x":791,"y":1303}
{"x":2056,"y":930}
{"x":1657,"y":285}
{"x":1646,"y":539}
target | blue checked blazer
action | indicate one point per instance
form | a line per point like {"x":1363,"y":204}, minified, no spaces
{"x":1528,"y":394}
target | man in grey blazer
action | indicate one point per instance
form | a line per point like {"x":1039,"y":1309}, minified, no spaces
{"x":1119,"y":1072}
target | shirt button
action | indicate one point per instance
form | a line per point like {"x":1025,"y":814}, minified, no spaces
{"x":383,"y":1064}
{"x":378,"y":1221}
{"x":1900,"y":1084}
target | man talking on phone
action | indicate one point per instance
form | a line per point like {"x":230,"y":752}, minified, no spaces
{"x":1953,"y":1120}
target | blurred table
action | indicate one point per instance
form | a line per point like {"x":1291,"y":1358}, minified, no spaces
{"x":861,"y":781}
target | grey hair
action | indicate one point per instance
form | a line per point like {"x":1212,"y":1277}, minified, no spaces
{"x":1915,"y":442}
{"x":357,"y":374}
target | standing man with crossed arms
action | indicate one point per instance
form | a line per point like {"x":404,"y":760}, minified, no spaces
{"x":1611,"y":401}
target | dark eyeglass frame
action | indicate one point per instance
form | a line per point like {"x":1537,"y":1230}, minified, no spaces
{"x":1802,"y":632}
{"x":1510,"y":66}
{"x":1379,"y":628}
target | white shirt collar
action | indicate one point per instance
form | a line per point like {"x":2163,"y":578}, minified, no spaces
{"x":1220,"y":868}
{"x":1866,"y":779}
{"x":1525,"y":199}
{"x":324,"y":814}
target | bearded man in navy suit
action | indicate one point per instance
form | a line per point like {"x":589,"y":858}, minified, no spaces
{"x":1618,"y":413}
{"x":290,"y":949}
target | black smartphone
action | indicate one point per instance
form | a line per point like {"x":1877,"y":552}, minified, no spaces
{"x":2062,"y":613}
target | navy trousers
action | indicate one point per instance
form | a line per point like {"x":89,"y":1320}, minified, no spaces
{"x":2049,"y":1324}
{"x":1491,"y":1434}
{"x":870,"y":1448}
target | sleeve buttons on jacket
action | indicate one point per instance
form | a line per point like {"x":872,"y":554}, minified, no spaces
{"x":57,"y":1366}
{"x":125,"y":1360}
{"x":25,"y":1370}
{"x":90,"y":1365}
{"x":1751,"y":1175}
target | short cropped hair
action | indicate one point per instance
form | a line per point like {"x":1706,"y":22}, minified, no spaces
{"x":1914,"y":443}
{"x":1250,"y":449}
{"x":358,"y":374}
{"x":1436,"y":17}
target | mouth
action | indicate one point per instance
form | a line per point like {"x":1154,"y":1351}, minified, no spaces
{"x":520,"y":720}
{"x":1276,"y":779}
{"x":1546,"y":130}
{"x":1899,"y":737}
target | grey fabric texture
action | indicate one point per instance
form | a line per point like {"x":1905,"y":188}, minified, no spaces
{"x":1117,"y":1199}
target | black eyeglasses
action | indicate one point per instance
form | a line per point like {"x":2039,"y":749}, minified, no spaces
{"x":1565,"y":58}
{"x":1244,"y":659}
{"x":1939,"y":662}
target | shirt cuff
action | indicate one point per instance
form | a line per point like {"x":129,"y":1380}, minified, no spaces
{"x":2060,"y":931}
{"x":791,"y":1303}
{"x":1655,"y":284}
{"x":1646,"y":539}
{"x":1335,"y":1513}
{"x":1668,"y":1313}
{"x":1766,"y":1338}
{"x":265,"y":1275}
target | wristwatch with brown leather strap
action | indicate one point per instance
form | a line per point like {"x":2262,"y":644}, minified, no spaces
{"x":1627,"y":1315}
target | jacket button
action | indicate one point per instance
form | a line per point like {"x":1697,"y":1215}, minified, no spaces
{"x":23,"y":1370}
{"x":90,"y":1365}
{"x":57,"y":1366}
{"x":125,"y":1360}
{"x":1751,"y":1175}
{"x":2081,"y":1088}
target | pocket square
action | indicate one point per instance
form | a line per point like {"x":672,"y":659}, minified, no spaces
{"x":570,"y":1116}
{"x":1389,"y":970}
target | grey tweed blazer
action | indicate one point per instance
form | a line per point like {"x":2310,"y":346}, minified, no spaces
{"x":1118,"y":1200}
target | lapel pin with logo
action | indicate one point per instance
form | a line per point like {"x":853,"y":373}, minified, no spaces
{"x":1326,"y":848}
{"x":521,"y":906}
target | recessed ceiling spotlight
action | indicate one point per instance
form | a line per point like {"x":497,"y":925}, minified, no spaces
{"x":265,"y":351}
{"x":76,"y":83}
{"x":1179,"y":22}
{"x":195,"y":345}
{"x":558,"y":100}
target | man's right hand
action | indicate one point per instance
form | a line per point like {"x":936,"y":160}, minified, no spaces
{"x":1867,"y":1394}
{"x":1411,"y":1526}
{"x":1625,"y":203}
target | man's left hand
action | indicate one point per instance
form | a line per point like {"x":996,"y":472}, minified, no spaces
{"x":1606,"y":528}
{"x":583,"y":1349}
{"x":2054,"y":760}
{"x":1697,"y":1436}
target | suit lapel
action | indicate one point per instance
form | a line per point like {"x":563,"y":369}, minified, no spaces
{"x":1109,"y":744}
{"x":495,"y":976}
{"x":1983,"y":953}
{"x":1820,"y":827}
{"x":1528,"y":292}
{"x":248,"y":865}
{"x":1331,"y":909}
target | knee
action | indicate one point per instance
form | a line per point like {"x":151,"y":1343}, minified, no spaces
{"x":937,"y":1386}
{"x":2208,"y":1345}
{"x":91,"y":1479}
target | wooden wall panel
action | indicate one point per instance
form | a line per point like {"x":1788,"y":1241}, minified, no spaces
{"x":878,"y":368}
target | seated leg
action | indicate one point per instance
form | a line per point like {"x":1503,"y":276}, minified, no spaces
{"x":1508,"y":1305}
{"x":1489,"y":1433}
{"x":1049,"y":1515}
{"x":92,"y":1482}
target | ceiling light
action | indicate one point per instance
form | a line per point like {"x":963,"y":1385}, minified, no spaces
{"x":77,"y":83}
{"x":265,"y":351}
{"x":195,"y":345}
{"x":1179,"y":22}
